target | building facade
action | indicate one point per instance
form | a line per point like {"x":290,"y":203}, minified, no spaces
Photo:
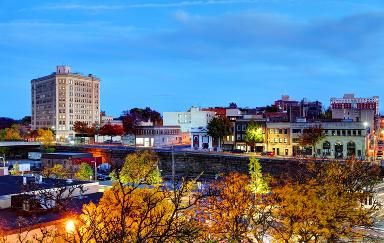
{"x":279,"y":138}
{"x":194,"y":117}
{"x":158,"y":136}
{"x":356,"y":109}
{"x":341,"y":140}
{"x":62,"y":98}
{"x":240,"y":133}
{"x":200,"y":139}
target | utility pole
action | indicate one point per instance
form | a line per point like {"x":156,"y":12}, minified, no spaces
{"x":95,"y":171}
{"x":173,"y":165}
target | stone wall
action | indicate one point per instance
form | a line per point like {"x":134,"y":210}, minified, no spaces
{"x":192,"y":164}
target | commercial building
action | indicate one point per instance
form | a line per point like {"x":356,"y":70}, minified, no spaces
{"x":158,"y":136}
{"x":356,"y":109}
{"x":240,"y":133}
{"x":200,"y":139}
{"x":279,"y":138}
{"x":62,"y":98}
{"x":342,"y":140}
{"x":194,"y":117}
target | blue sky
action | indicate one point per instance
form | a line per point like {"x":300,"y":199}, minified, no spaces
{"x":172,"y":54}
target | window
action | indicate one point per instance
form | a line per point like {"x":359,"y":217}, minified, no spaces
{"x":285,"y":140}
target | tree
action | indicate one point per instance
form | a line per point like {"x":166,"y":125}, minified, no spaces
{"x":139,"y":168}
{"x":219,"y":127}
{"x":57,"y":171}
{"x":15,"y":170}
{"x":232,"y":105}
{"x":231,"y":212}
{"x":25,"y":121}
{"x":254,"y":134}
{"x":327,"y":114}
{"x":143,"y":115}
{"x":311,"y":136}
{"x":258,"y":183}
{"x":46,"y":137}
{"x":133,"y":212}
{"x":111,"y":130}
{"x":83,"y":129}
{"x":327,"y":207}
{"x":10,"y":134}
{"x":85,"y":172}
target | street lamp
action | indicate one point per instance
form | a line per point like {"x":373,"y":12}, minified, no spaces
{"x":70,"y":226}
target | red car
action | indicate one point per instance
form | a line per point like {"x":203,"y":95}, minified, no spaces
{"x":268,"y":153}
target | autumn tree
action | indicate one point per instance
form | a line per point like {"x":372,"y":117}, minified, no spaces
{"x":10,"y":134}
{"x":57,"y":171}
{"x":311,"y":136}
{"x":141,"y":167}
{"x":111,"y":130}
{"x":232,"y":212}
{"x":47,"y":138}
{"x":254,"y":134}
{"x":83,"y":129}
{"x":328,"y":206}
{"x":218,"y":128}
{"x":134,"y":212}
{"x":15,"y":170}
{"x":84,"y":172}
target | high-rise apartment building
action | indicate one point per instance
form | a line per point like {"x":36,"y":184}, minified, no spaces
{"x":62,"y":98}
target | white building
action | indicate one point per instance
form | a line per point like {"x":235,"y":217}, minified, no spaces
{"x":158,"y":136}
{"x":194,"y":117}
{"x":200,"y":139}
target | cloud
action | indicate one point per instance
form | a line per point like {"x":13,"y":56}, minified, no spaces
{"x":354,"y":38}
{"x":265,"y":39}
{"x":83,"y":7}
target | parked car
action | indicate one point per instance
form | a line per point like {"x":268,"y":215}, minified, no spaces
{"x":238,"y":151}
{"x":268,"y":153}
{"x":102,"y":177}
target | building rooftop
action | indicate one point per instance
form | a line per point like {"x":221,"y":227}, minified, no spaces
{"x":14,"y":184}
{"x":66,"y":155}
{"x":9,"y":216}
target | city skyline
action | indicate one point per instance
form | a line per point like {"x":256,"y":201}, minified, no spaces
{"x":176,"y":54}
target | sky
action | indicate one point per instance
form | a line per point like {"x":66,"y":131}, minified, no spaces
{"x":173,"y":54}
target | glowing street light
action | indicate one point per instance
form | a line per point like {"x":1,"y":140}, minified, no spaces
{"x":70,"y":226}
{"x":365,"y":124}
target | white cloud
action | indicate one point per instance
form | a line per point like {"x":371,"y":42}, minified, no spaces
{"x":84,"y":7}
